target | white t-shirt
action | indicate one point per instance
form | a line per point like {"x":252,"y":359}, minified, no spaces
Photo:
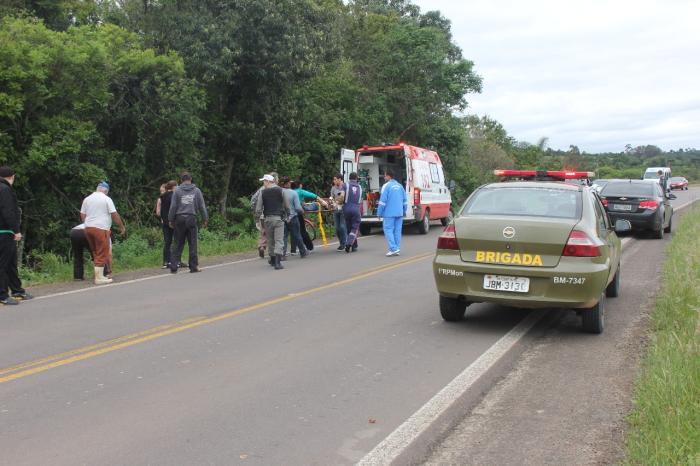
{"x":98,"y":209}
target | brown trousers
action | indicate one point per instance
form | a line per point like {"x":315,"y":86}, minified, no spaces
{"x":98,"y":240}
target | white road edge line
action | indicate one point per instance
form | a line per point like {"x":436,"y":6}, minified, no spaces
{"x":401,"y":438}
{"x":390,"y":448}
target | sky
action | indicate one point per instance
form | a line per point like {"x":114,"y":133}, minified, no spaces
{"x":595,"y":74}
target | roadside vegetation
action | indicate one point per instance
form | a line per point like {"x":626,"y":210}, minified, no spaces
{"x":139,"y":250}
{"x":665,"y":421}
{"x":135,"y":91}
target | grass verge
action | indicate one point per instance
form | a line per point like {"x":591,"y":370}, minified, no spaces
{"x":665,"y":420}
{"x":141,"y":249}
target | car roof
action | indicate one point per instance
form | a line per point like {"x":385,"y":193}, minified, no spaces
{"x":535,"y":184}
{"x":631,"y":181}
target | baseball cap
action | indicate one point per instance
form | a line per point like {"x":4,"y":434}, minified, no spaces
{"x":103,"y":184}
{"x":267,"y":178}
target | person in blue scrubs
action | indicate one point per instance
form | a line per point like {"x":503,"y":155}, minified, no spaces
{"x":392,"y":208}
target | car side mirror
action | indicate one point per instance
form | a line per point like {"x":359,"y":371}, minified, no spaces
{"x":671,"y":196}
{"x":622,"y":226}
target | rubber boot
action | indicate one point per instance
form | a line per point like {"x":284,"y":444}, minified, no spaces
{"x":100,"y":278}
{"x":278,"y":262}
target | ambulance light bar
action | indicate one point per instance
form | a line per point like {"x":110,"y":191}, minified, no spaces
{"x":562,"y":175}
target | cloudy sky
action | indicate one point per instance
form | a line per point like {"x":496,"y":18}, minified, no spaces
{"x":596,"y":74}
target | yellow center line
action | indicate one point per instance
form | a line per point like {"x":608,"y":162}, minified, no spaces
{"x":80,"y":354}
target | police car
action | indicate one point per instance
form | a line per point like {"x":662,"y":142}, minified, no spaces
{"x":535,"y":241}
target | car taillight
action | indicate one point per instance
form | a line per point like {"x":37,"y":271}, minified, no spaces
{"x":416,"y":196}
{"x":580,"y":244}
{"x":604,"y":201}
{"x":651,"y":205}
{"x":448,"y":238}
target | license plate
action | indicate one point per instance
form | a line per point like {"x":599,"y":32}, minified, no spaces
{"x":504,"y":283}
{"x":622,"y":207}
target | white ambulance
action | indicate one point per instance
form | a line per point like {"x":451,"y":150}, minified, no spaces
{"x":418,"y":170}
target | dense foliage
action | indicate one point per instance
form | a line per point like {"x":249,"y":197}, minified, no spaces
{"x":134,"y":91}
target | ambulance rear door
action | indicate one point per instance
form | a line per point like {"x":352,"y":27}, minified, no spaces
{"x":348,"y":163}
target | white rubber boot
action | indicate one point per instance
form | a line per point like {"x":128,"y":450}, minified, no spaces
{"x":100,"y":278}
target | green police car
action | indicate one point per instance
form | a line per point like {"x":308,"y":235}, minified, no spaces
{"x":542,"y":240}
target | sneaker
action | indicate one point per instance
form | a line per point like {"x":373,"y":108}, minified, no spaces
{"x":303,"y":255}
{"x":23,"y":296}
{"x":389,"y":254}
{"x":9,"y":301}
{"x":195,"y":270}
{"x":173,"y":270}
{"x":354,"y":249}
{"x":395,"y":253}
{"x":165,"y":266}
{"x":293,"y":253}
{"x":347,"y":248}
{"x":340,"y":248}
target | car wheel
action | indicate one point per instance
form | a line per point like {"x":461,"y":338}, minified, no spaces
{"x":365,"y":229}
{"x":613,"y":289}
{"x":658,"y":234}
{"x":593,"y":319}
{"x":424,"y":225}
{"x":670,"y":223}
{"x":452,"y":309}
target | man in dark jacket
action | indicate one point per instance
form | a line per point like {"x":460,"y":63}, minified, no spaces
{"x":9,"y":235}
{"x":186,"y":203}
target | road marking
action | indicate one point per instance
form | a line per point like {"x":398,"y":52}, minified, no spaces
{"x":400,"y":439}
{"x":50,"y":362}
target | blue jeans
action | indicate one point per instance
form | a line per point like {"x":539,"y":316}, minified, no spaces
{"x":292,"y":229}
{"x":340,"y":228}
{"x":392,"y":232}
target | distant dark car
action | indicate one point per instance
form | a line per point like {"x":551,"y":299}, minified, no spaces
{"x":678,"y":182}
{"x":642,"y":202}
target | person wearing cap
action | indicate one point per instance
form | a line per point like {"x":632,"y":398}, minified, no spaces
{"x":9,"y":235}
{"x":187,"y":202}
{"x":98,"y":213}
{"x":274,"y":207}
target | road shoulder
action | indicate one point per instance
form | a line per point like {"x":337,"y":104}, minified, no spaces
{"x":566,"y":401}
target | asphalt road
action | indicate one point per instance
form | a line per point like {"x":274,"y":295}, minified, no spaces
{"x":314,"y":364}
{"x":240,"y":364}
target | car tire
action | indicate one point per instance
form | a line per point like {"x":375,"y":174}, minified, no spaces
{"x":452,"y":309}
{"x":445,"y":221}
{"x":424,"y":225}
{"x":658,"y":234}
{"x":670,"y":224}
{"x":613,"y":289}
{"x":593,"y":319}
{"x":365,"y":229}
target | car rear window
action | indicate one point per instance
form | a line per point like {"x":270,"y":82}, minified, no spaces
{"x":532,"y":202}
{"x":628,"y":189}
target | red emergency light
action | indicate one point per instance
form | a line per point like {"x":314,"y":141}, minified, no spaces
{"x":562,"y":175}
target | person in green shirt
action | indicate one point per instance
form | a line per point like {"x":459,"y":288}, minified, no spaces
{"x":305,"y":195}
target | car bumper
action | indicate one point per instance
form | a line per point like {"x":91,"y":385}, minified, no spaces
{"x":574,"y":283}
{"x":649,"y":220}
